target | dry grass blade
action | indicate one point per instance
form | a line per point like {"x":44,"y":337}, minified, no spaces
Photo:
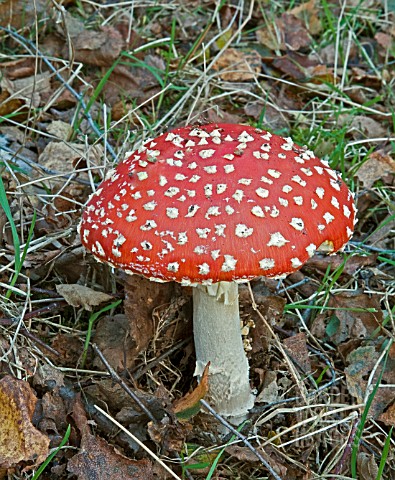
{"x":141,"y":444}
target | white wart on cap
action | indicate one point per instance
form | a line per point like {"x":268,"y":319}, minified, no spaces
{"x":219,"y":202}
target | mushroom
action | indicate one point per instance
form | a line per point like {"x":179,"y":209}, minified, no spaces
{"x":212,"y":206}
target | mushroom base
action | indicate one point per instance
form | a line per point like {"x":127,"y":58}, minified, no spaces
{"x":217,"y":335}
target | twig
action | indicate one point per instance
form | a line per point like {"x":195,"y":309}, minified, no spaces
{"x":30,"y":45}
{"x":48,"y":171}
{"x":25,"y":332}
{"x":120,"y":382}
{"x":347,"y":450}
{"x":310,"y":394}
{"x":9,"y":322}
{"x":140,"y":371}
{"x":242,"y":437}
{"x":139,"y":442}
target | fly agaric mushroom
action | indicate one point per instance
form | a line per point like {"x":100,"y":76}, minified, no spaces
{"x":212,"y":206}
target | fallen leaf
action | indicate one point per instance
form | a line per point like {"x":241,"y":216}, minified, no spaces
{"x":296,"y":65}
{"x":238,"y":65}
{"x":217,"y":115}
{"x":170,"y":437}
{"x":81,"y":296}
{"x":61,"y":157}
{"x":388,"y":417}
{"x":382,"y":238}
{"x":286,"y":33}
{"x":353,"y":264}
{"x":105,"y":391}
{"x":130,"y":84}
{"x":141,"y":297}
{"x":296,"y":347}
{"x":26,"y":90}
{"x":362,"y":126}
{"x":360,"y":365}
{"x":308,"y":12}
{"x":271,"y":307}
{"x":60,"y":130}
{"x":93,"y":47}
{"x":244,"y":454}
{"x":345,"y":320}
{"x":70,"y":348}
{"x":20,"y":14}
{"x":269,"y":116}
{"x":366,"y":466}
{"x":364,"y":77}
{"x":189,"y":405}
{"x":100,"y":48}
{"x":20,"y":441}
{"x":100,"y":461}
{"x":270,"y":388}
{"x":113,"y":338}
{"x":378,"y":165}
{"x":47,"y":376}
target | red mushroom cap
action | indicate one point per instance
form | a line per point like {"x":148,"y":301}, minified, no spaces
{"x":218,"y":202}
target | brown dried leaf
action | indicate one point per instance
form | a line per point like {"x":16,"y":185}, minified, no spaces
{"x":28,"y":90}
{"x":21,"y":14}
{"x":130,"y":84}
{"x":296,"y":65}
{"x":19,"y":439}
{"x":60,"y":129}
{"x":189,"y":405}
{"x":366,"y":466}
{"x":218,"y":115}
{"x":141,"y":298}
{"x":362,"y":126}
{"x":353,"y":264}
{"x":81,"y":296}
{"x":238,"y":65}
{"x":9,"y":106}
{"x":105,"y":391}
{"x":308,"y":12}
{"x":169,"y":437}
{"x":113,"y":338}
{"x":66,"y":158}
{"x":270,"y":388}
{"x":272,"y":118}
{"x":388,"y":417}
{"x":271,"y":307}
{"x":98,"y":460}
{"x":378,"y":165}
{"x":244,"y":454}
{"x":360,"y":365}
{"x":343,"y":323}
{"x":287,"y":33}
{"x":99,"y":48}
{"x":70,"y":348}
{"x":297,"y":348}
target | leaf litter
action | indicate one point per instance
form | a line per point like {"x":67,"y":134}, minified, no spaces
{"x":315,"y":340}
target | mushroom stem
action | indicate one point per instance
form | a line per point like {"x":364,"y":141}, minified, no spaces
{"x":217,"y":335}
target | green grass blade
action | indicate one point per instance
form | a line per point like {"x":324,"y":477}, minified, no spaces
{"x":18,"y":267}
{"x":6,"y":207}
{"x":44,"y":465}
{"x":384,"y":455}
{"x":91,"y":321}
{"x":220,"y":453}
{"x":361,"y":426}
